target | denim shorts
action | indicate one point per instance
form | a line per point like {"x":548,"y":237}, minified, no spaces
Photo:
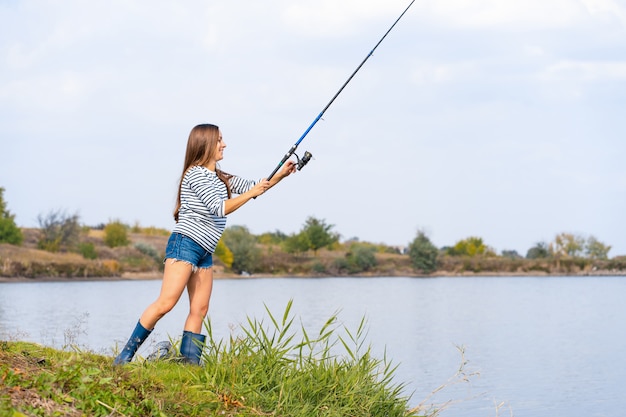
{"x":183,"y":248}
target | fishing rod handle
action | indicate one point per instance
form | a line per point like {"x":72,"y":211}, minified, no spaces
{"x":282,"y":162}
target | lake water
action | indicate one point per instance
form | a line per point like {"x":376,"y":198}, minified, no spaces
{"x":542,"y":346}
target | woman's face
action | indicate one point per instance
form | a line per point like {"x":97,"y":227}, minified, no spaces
{"x":219,"y":148}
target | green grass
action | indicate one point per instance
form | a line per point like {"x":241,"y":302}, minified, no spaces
{"x":270,"y":369}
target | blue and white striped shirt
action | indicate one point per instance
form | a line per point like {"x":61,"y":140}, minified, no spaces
{"x":202,"y":204}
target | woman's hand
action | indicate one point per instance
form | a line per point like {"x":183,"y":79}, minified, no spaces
{"x":261,"y":187}
{"x":288,"y":168}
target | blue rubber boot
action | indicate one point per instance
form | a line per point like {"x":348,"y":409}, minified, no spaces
{"x":136,"y":339}
{"x":191,"y":347}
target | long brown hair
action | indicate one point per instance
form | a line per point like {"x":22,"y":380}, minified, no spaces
{"x":201,"y":147}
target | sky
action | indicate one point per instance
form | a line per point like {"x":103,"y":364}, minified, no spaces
{"x":497,"y":119}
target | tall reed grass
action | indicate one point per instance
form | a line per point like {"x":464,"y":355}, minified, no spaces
{"x":276,"y":369}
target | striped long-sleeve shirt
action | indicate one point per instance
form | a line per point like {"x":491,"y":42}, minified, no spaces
{"x":202,"y":204}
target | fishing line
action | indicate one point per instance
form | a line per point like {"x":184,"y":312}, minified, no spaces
{"x":307,"y":155}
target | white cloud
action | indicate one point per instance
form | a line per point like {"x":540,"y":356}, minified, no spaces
{"x":62,"y":92}
{"x":534,"y":51}
{"x":609,"y":9}
{"x":328,"y":18}
{"x":17,"y":58}
{"x":514,"y":14}
{"x":436,"y":73}
{"x":587,"y":71}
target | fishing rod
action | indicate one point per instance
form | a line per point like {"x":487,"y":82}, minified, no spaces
{"x":307,"y":155}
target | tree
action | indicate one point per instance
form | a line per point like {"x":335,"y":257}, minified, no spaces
{"x":423,"y":253}
{"x":319,"y":234}
{"x":595,"y":249}
{"x":9,"y":232}
{"x":567,"y":245}
{"x":540,"y":250}
{"x":244,"y":249}
{"x":59,"y":230}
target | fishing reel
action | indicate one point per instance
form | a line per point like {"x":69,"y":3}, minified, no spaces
{"x":305,"y":159}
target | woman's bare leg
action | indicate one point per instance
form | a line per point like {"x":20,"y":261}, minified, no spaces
{"x":199,"y":287}
{"x":175,"y":277}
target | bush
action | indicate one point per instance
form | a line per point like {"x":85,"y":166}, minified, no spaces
{"x":361,"y":258}
{"x":318,"y":268}
{"x":298,"y":243}
{"x":88,"y":250}
{"x":59,"y":230}
{"x":148,"y":250}
{"x":116,"y":234}
{"x":342,"y":265}
{"x":471,"y":246}
{"x":539,"y":251}
{"x":224,"y":254}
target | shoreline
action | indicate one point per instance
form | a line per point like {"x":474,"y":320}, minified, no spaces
{"x":151,"y":276}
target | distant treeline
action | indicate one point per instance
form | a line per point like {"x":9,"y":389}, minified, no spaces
{"x":115,"y":248}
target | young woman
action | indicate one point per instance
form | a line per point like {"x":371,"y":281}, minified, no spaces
{"x":205,"y":198}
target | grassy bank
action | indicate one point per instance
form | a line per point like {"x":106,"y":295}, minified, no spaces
{"x":270,"y":369}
